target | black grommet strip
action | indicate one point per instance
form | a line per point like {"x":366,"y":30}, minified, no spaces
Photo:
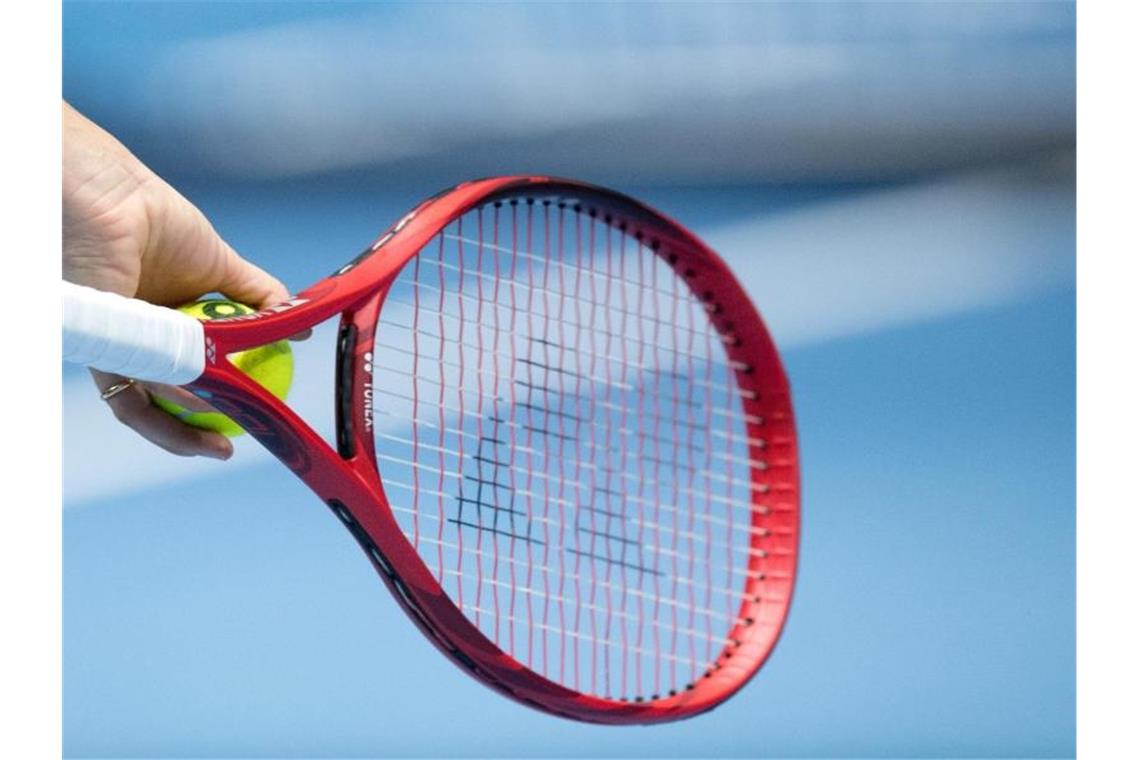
{"x":345,"y":346}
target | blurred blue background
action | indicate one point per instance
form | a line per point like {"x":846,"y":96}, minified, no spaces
{"x":894,"y":183}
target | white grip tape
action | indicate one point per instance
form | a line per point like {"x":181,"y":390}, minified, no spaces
{"x":131,"y":337}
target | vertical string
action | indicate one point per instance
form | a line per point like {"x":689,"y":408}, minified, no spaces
{"x":529,"y":427}
{"x":442,"y":426}
{"x":599,"y":426}
{"x":560,"y":456}
{"x":593,"y":473}
{"x":642,"y":422}
{"x":729,"y":395}
{"x":674,"y":419}
{"x":706,"y":470}
{"x":486,"y":446}
{"x":460,"y":381}
{"x":416,"y":415}
{"x":689,"y":469}
{"x":622,"y":505}
{"x":659,"y":473}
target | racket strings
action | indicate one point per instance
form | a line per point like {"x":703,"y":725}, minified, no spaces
{"x":643,"y":368}
{"x":644,"y":287}
{"x":718,"y":457}
{"x":566,"y":444}
{"x":689,"y":534}
{"x":735,"y":589}
{"x":545,"y":292}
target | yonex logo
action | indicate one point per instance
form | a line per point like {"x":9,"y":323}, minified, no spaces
{"x":367,"y":392}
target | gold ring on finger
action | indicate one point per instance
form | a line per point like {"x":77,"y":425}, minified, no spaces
{"x":116,"y":389}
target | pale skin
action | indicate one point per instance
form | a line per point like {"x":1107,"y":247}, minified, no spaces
{"x":127,"y":231}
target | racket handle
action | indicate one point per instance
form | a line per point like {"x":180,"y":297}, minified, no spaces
{"x":131,"y":337}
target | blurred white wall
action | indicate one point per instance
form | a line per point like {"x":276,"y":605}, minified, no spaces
{"x":622,"y":93}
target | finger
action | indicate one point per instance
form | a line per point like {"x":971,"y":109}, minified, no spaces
{"x":177,"y":395}
{"x":177,"y":437}
{"x":134,"y":409}
{"x":248,"y":283}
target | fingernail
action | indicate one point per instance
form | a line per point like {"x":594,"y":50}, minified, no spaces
{"x":222,"y":451}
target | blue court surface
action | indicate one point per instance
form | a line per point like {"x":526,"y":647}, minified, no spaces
{"x":893,"y":184}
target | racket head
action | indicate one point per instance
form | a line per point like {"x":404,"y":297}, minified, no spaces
{"x":402,"y":312}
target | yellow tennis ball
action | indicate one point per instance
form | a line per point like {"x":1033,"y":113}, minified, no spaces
{"x":270,"y":365}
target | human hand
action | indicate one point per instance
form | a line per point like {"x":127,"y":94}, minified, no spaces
{"x":128,"y":232}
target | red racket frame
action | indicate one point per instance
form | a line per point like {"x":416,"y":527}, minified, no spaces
{"x":347,"y":479}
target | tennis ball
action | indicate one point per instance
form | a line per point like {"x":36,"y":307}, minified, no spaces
{"x":270,"y":365}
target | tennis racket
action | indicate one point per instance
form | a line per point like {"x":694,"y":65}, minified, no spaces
{"x":564,"y":438}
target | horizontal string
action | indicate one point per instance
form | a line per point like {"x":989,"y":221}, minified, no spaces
{"x":698,"y":665}
{"x":659,"y":528}
{"x":704,"y":359}
{"x":731,"y":597}
{"x":654,"y":505}
{"x":582,"y":329}
{"x":561,"y":480}
{"x":560,"y":260}
{"x":532,"y":288}
{"x":743,"y":482}
{"x":729,"y":388}
{"x":642,"y":283}
{"x":631,"y":432}
{"x":481,"y":394}
{"x":743,"y":525}
{"x":708,"y":474}
{"x":428,"y":514}
{"x":663,"y":625}
{"x":495,"y":400}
